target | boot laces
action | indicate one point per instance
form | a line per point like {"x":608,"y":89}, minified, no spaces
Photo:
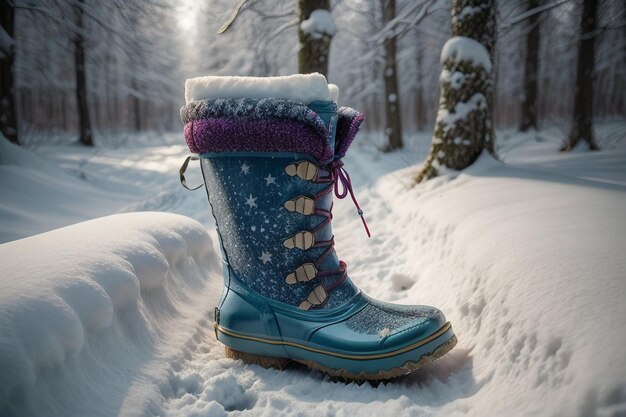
{"x":339,"y":181}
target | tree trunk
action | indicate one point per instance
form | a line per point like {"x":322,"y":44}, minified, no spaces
{"x":136,"y":107}
{"x":8,"y":114}
{"x":393,"y":126}
{"x":464,"y":126}
{"x":529,"y":101}
{"x":86,"y":137}
{"x":419,"y":92}
{"x":582,"y":128}
{"x":314,"y":50}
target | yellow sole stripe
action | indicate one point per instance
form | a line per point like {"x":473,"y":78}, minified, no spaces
{"x":415,"y":345}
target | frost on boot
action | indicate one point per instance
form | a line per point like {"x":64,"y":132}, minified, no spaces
{"x":271,"y":166}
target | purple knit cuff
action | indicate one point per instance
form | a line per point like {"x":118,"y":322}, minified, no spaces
{"x":246,"y":125}
{"x":224,"y":135}
{"x":348,"y":124}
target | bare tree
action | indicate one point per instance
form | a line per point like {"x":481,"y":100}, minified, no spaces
{"x":314,"y":43}
{"x":86,"y":136}
{"x":582,"y":128}
{"x":531,"y":70}
{"x":393,"y":127}
{"x":419,"y":90}
{"x":8,"y":112}
{"x":464,"y":127}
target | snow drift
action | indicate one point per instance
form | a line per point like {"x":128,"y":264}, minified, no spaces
{"x":36,"y":195}
{"x":526,"y":259}
{"x":94,"y":314}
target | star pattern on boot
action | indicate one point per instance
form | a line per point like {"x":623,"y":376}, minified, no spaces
{"x":251,"y":202}
{"x":270,"y":180}
{"x":245,"y":169}
{"x":265,"y":257}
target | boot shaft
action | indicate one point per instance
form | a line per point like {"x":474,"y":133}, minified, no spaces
{"x":267,"y":165}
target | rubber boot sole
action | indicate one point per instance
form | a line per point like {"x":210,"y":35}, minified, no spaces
{"x":406,"y":368}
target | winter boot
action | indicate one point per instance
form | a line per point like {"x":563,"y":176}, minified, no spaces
{"x":270,"y":152}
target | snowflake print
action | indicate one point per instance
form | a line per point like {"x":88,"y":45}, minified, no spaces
{"x":251,"y":201}
{"x":269,"y":180}
{"x":265,"y":257}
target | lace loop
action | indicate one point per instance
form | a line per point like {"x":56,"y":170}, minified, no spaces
{"x":340,"y":176}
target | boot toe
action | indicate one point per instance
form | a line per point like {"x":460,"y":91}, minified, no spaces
{"x":381,"y":326}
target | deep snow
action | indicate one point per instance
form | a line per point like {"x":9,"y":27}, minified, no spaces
{"x":525,"y":258}
{"x":93,"y":315}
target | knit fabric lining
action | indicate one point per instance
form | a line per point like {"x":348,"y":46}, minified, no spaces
{"x":249,"y":125}
{"x":348,"y":124}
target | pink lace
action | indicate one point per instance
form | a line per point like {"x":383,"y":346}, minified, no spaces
{"x":340,"y":175}
{"x":337,"y":175}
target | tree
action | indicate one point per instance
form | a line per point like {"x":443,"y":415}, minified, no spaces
{"x":315,"y":32}
{"x":393,"y":128}
{"x":419,"y":90}
{"x":464,"y":126}
{"x":582,"y":128}
{"x":86,"y":137}
{"x":531,"y":70}
{"x":8,"y":113}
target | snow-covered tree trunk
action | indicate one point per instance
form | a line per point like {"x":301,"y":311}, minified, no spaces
{"x":531,"y":68}
{"x":393,"y":126}
{"x":8,"y":109}
{"x":582,"y":127}
{"x":315,"y":32}
{"x":86,"y":137}
{"x":464,"y":127}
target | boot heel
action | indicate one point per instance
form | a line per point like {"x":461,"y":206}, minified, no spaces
{"x":251,"y":359}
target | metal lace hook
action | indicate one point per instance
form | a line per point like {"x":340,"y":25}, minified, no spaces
{"x":183,"y":169}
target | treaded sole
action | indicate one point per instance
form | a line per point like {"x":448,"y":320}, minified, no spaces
{"x":407,"y":368}
{"x":249,"y":358}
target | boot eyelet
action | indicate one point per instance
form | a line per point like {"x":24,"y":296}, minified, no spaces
{"x":302,"y":204}
{"x":306,"y":170}
{"x":301,"y":240}
{"x":316,"y":297}
{"x":303,"y":273}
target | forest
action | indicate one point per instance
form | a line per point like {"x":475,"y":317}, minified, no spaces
{"x":120,"y":65}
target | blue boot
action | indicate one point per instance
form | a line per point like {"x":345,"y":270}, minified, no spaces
{"x":271,"y":168}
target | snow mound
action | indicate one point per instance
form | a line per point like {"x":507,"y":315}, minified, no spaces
{"x":319,"y":23}
{"x":528,"y":266}
{"x":461,"y":48}
{"x":303,"y":88}
{"x":89,"y":311}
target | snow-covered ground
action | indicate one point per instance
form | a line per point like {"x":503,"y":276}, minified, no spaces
{"x":525,"y":257}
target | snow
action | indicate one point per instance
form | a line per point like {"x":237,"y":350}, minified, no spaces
{"x":303,"y":88}
{"x":525,"y":257}
{"x":456,"y":78}
{"x":461,"y":110}
{"x":319,"y":23}
{"x":461,"y":48}
{"x":392,"y":98}
{"x":333,"y":90}
{"x":468,"y":11}
{"x":104,"y":309}
{"x":27,"y":182}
